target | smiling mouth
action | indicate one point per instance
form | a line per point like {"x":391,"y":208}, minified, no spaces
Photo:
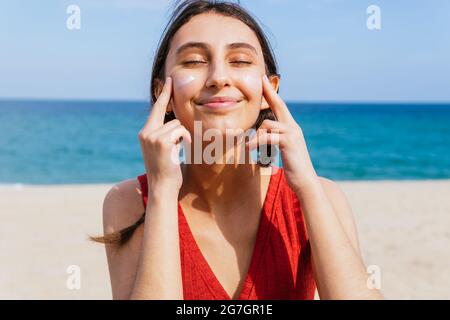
{"x":217,"y":105}
{"x":220,"y":105}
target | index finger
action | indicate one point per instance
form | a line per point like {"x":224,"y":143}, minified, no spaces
{"x":156,"y":117}
{"x":276,"y":103}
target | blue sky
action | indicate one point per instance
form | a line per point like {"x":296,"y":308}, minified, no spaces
{"x":323,"y":47}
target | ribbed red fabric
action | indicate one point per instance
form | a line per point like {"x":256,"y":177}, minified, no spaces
{"x":280,"y":267}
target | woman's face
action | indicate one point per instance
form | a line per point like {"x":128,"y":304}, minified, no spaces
{"x":215,"y":56}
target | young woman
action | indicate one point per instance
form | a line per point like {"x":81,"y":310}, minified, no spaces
{"x":220,"y":230}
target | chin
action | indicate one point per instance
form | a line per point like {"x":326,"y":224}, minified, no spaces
{"x":225,"y":126}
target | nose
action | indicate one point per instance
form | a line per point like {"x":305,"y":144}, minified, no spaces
{"x":218,"y":75}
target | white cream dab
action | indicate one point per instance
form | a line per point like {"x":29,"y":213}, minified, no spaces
{"x":253,"y":81}
{"x":182,"y":81}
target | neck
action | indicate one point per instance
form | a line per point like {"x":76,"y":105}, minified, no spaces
{"x":218,"y":181}
{"x":221,"y":185}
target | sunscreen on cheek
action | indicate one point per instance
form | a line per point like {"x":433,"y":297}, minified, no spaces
{"x":183,"y":80}
{"x":253,"y":82}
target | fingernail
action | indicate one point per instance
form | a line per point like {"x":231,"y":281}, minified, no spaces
{"x":265,"y":77}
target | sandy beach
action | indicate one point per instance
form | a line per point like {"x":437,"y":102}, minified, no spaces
{"x":403,"y":229}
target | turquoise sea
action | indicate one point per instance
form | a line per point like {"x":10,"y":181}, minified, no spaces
{"x":55,"y":142}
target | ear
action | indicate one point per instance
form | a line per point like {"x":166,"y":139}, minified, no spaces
{"x":158,"y":88}
{"x":275,"y":82}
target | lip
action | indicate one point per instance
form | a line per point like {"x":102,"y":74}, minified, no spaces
{"x":219,"y":102}
{"x":218,"y":105}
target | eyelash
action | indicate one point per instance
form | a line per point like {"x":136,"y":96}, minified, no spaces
{"x":197,"y":62}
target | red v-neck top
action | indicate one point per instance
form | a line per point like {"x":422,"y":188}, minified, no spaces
{"x":280,"y":266}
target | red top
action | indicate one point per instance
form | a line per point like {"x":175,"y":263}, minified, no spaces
{"x":280,"y":267}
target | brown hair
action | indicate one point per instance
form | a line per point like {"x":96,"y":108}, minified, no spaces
{"x":183,"y":12}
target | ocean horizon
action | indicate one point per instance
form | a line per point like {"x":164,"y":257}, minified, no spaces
{"x":95,"y":141}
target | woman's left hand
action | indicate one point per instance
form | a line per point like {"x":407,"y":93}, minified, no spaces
{"x":288,"y":135}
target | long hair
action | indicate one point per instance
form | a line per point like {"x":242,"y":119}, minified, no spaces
{"x":182,"y":13}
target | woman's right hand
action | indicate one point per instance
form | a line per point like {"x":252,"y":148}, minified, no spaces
{"x":161,"y":143}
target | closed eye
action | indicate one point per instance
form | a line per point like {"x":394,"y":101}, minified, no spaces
{"x":198,"y":61}
{"x":244,"y":62}
{"x":194,"y":62}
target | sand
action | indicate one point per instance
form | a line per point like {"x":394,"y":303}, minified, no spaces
{"x":403,"y":226}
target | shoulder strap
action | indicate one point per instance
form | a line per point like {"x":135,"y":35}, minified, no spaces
{"x":144,"y":188}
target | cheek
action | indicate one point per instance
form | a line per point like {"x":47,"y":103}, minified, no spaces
{"x":253,"y":85}
{"x":182,"y":81}
{"x":185,"y":87}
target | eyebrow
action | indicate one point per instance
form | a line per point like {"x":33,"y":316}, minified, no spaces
{"x":204,"y":46}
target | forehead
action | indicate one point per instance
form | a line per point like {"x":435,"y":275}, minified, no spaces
{"x":216,"y":30}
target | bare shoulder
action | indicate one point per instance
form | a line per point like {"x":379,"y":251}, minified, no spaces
{"x":333,"y":191}
{"x":343,"y":210}
{"x":122,"y":205}
{"x":328,"y":184}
